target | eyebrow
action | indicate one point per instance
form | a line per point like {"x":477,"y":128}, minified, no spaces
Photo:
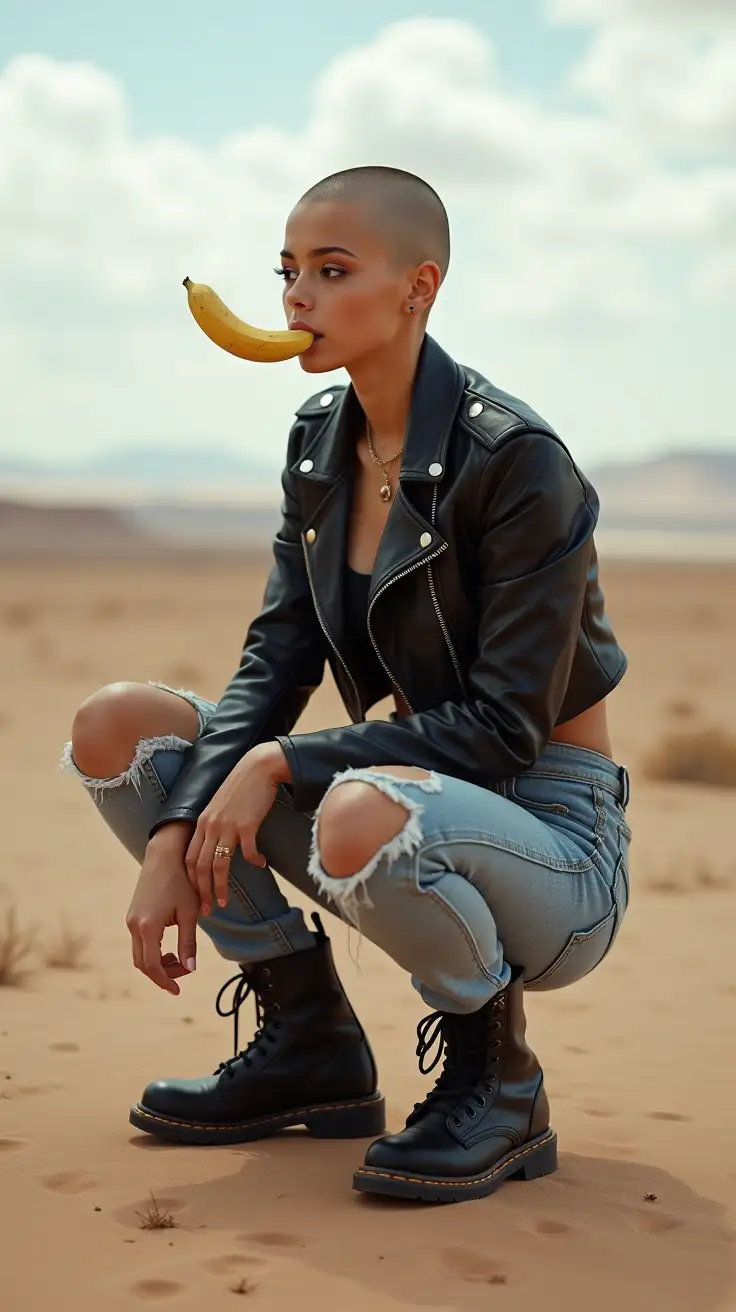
{"x":321,"y":250}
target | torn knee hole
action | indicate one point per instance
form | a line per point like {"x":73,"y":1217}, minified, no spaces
{"x":354,"y":823}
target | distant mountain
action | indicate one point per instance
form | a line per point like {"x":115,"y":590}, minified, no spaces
{"x":150,"y":466}
{"x":689,"y":490}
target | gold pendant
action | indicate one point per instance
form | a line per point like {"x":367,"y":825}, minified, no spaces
{"x":386,"y":491}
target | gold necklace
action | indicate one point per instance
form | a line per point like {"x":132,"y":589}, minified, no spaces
{"x":386,"y":490}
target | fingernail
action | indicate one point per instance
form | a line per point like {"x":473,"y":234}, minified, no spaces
{"x":222,"y":902}
{"x":191,"y":963}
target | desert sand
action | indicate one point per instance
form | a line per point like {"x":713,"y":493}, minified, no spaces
{"x":639,"y":1057}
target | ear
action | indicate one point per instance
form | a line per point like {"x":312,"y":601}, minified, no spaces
{"x":426,"y":283}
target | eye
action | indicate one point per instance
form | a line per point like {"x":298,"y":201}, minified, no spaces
{"x":285,"y":274}
{"x":329,"y":269}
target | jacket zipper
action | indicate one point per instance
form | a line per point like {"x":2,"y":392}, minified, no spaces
{"x":402,"y":575}
{"x":436,"y":603}
{"x":353,"y":684}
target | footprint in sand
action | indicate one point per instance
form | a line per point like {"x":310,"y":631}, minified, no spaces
{"x":602,"y":1112}
{"x":546,"y":1225}
{"x":10,"y":1144}
{"x":69,"y":1182}
{"x":156,"y":1288}
{"x":668,"y":1116}
{"x":656,"y":1223}
{"x":235,"y":1264}
{"x":466,"y":1264}
{"x":64,"y":1047}
{"x":275,"y":1239}
{"x":575,"y":1047}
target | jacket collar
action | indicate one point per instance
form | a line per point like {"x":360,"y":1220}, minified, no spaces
{"x":438,"y":387}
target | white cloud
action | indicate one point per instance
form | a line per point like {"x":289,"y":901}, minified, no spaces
{"x":692,"y":13}
{"x":98,"y":226}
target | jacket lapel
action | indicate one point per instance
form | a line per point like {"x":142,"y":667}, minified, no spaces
{"x":326,"y":467}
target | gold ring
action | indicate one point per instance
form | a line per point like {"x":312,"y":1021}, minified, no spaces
{"x":223,"y":851}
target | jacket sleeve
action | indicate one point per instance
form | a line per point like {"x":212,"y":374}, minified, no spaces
{"x":537,"y":520}
{"x":282,"y":662}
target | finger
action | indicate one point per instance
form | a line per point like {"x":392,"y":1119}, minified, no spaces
{"x":201,"y":865}
{"x":250,"y":851}
{"x":173,"y":966}
{"x":136,"y":944}
{"x":187,"y":944}
{"x":152,"y":963}
{"x":191,"y":856}
{"x":221,"y":868}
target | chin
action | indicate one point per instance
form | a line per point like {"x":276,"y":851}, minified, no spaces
{"x":316,"y":361}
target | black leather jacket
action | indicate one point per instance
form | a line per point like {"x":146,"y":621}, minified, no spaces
{"x":485,"y":607}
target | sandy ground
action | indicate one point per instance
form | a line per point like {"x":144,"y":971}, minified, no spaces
{"x":639,"y":1058}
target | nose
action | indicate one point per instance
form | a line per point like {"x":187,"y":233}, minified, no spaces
{"x":297,"y":296}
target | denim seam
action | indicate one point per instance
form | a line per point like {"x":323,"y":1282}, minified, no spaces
{"x":149,"y":770}
{"x":580,"y":936}
{"x":505,"y":845}
{"x":577,"y":776}
{"x":274,"y":928}
{"x":466,"y":932}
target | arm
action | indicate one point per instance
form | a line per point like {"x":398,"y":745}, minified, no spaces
{"x":537,"y":532}
{"x":282,"y":663}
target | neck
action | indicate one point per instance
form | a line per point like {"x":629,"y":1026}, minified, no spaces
{"x":383,"y":383}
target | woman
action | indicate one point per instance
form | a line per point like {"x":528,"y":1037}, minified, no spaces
{"x":436,"y":545}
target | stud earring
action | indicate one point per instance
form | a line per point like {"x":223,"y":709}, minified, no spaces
{"x":412,"y":308}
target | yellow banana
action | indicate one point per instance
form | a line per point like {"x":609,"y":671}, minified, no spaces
{"x":225,"y":329}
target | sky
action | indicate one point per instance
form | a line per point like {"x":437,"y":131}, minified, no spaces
{"x":585,"y":150}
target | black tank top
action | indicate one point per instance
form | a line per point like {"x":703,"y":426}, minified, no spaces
{"x":362,"y":659}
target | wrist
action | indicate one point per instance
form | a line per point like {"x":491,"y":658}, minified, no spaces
{"x":174,"y":834}
{"x":272,"y":759}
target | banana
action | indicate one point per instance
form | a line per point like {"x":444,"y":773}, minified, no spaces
{"x":225,"y":329}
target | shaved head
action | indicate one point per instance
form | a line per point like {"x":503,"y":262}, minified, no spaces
{"x":405,"y":207}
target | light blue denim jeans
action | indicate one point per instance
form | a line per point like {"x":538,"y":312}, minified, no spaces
{"x":530,"y":872}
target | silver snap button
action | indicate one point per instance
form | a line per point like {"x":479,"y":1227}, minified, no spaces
{"x":475,"y":410}
{"x":327,"y":398}
{"x":310,"y":535}
{"x":307,"y":466}
{"x":425,"y":539}
{"x":435,"y":470}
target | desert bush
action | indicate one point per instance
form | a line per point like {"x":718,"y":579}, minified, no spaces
{"x":694,"y":756}
{"x":67,"y":950}
{"x":16,"y":948}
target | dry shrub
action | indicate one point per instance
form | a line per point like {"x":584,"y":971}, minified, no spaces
{"x":20,"y":614}
{"x":16,"y":947}
{"x":694,"y":756}
{"x":156,"y":1218}
{"x":67,"y":950}
{"x":677,"y":879}
{"x":680,"y":708}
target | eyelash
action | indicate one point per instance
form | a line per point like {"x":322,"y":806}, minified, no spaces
{"x":283,"y":273}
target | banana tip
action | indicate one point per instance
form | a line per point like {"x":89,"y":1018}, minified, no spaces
{"x":186,"y":281}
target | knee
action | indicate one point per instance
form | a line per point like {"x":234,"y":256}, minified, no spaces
{"x":355,"y":821}
{"x":106,"y":728}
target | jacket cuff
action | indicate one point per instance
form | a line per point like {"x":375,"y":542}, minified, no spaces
{"x":177,"y":813}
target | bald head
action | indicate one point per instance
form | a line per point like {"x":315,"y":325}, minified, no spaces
{"x":405,"y":207}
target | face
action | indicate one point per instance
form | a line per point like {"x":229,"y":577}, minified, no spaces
{"x":339,"y":282}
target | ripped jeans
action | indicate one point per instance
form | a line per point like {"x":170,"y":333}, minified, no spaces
{"x":530,"y":872}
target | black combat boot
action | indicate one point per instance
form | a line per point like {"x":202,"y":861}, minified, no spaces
{"x":486,"y":1120}
{"x":309,"y":1063}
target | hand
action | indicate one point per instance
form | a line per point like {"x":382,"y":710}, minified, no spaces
{"x":233,"y":818}
{"x":164,"y":896}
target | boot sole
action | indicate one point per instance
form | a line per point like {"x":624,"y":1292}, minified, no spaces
{"x":529,"y":1162}
{"x":361,"y":1119}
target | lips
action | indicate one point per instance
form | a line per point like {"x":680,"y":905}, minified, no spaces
{"x":297,"y":325}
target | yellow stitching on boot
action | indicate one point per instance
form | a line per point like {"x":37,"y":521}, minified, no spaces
{"x":481,"y":1179}
{"x":262,"y":1120}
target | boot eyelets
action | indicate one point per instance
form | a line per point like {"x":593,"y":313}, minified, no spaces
{"x":481,"y":1100}
{"x":470,"y":1112}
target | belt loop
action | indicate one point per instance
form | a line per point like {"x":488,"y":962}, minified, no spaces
{"x":625,"y":782}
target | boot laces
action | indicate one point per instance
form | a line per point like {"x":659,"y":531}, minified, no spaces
{"x":466,"y":1079}
{"x":260,"y":987}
